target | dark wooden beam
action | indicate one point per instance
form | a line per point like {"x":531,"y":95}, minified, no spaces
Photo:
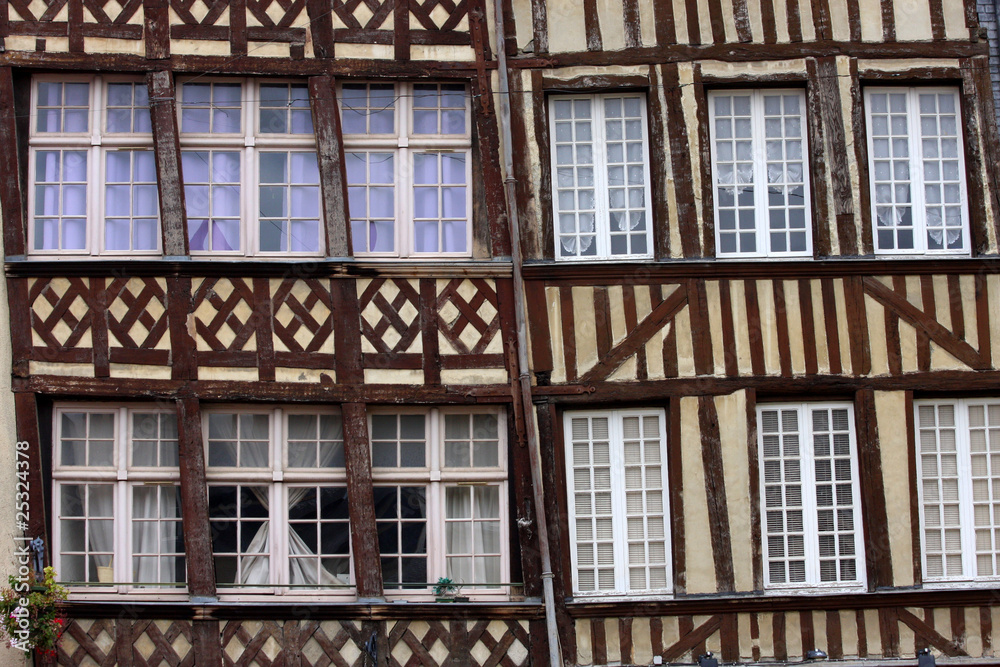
{"x":539,"y":26}
{"x":11,"y":197}
{"x":401,"y":30}
{"x":346,"y":331}
{"x":194,"y":500}
{"x":321,"y":27}
{"x":32,"y":521}
{"x":489,"y":172}
{"x":715,"y":491}
{"x":878,"y":553}
{"x":361,"y":502}
{"x":156,"y":34}
{"x":166,"y":145}
{"x":333,"y":175}
{"x":680,"y":163}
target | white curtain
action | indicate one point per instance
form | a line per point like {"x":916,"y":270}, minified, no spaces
{"x":157,"y":535}
{"x":302,"y":570}
{"x":101,"y":523}
{"x":475,"y":536}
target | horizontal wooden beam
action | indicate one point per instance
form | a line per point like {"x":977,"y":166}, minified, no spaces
{"x":294,"y":392}
{"x":310,"y":268}
{"x":649,"y":273}
{"x":754,"y":52}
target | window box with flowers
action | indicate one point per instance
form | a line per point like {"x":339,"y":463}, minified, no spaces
{"x":33,"y":619}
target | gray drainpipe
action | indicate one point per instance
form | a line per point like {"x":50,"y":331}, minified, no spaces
{"x":531,"y":431}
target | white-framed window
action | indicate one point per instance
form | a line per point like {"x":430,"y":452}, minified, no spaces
{"x":917,"y":170}
{"x":408,"y":157}
{"x":760,"y":173}
{"x":440,"y":491}
{"x":616,"y":471}
{"x":600,"y":173}
{"x":91,"y":159}
{"x":810,"y":496}
{"x":117,"y":520}
{"x":250,"y":168}
{"x":958,"y":487}
{"x":277,"y":500}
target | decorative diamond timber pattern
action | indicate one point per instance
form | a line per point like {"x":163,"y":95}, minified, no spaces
{"x":224,"y":315}
{"x":199,"y":12}
{"x":62,"y":311}
{"x":276,"y":13}
{"x":88,"y":642}
{"x":325,"y":643}
{"x":252,"y":644}
{"x":434,"y":644}
{"x":303,"y":322}
{"x":156,"y":643}
{"x":468,"y":318}
{"x":363,"y":14}
{"x":112,"y":12}
{"x":137,"y":318}
{"x":439,"y":15}
{"x":390,"y":317}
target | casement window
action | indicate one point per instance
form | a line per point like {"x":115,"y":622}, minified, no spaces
{"x":116,"y":497}
{"x":441,"y":498}
{"x":91,"y":159}
{"x":917,"y":171}
{"x":408,"y":157}
{"x":250,"y":169}
{"x":600,"y":174}
{"x":616,"y":471}
{"x":810,"y":500}
{"x":958,"y":484}
{"x":277,"y":500}
{"x":760,"y":173}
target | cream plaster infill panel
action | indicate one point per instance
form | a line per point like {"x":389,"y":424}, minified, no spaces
{"x":584,"y":648}
{"x":942,"y":302}
{"x":204,"y":47}
{"x":116,"y":46}
{"x":781,"y":20}
{"x":700,"y":569}
{"x":140,"y":372}
{"x":268,"y":49}
{"x":955,"y":26}
{"x":346,"y":50}
{"x":567,"y":31}
{"x":611,"y":14}
{"x":57,"y":368}
{"x":913,"y":20}
{"x":393,"y":376}
{"x":904,"y":64}
{"x":556,"y":334}
{"x":307,"y":375}
{"x":807,"y":22}
{"x":967,"y":287}
{"x":585,"y":321}
{"x":908,"y":346}
{"x":871,"y":22}
{"x":734,"y":441}
{"x":713,"y":300}
{"x":724,"y":70}
{"x":819,"y":327}
{"x":647,"y":24}
{"x":993,"y":296}
{"x":439,"y":52}
{"x":890,"y":406}
{"x":473,"y":376}
{"x":875,"y":312}
{"x":616,"y":307}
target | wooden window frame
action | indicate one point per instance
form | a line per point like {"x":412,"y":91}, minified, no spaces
{"x":916,"y":170}
{"x":404,"y":145}
{"x":97,"y":142}
{"x":250,"y":143}
{"x":618,"y":507}
{"x":123,"y":476}
{"x":812,"y":583}
{"x":965,"y":502}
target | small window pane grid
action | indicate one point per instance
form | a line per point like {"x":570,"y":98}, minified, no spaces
{"x":278,"y":501}
{"x":91,"y":159}
{"x":761,"y":177}
{"x":958,"y":464}
{"x":250,"y":168}
{"x":440,"y":499}
{"x":115,"y":477}
{"x":917,"y":171}
{"x":810,"y":499}
{"x":616,"y":466}
{"x":600,"y":162}
{"x":408,"y":156}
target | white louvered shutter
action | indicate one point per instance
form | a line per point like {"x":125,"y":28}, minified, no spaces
{"x":646,"y":534}
{"x":984,"y":452}
{"x":939,"y":486}
{"x":783,"y":510}
{"x":836,"y":506}
{"x":592,"y":506}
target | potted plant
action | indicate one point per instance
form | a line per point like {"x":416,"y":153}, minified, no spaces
{"x":446,"y":591}
{"x":32,"y":617}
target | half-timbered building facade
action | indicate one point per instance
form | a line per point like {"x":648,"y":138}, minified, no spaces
{"x":728,"y":382}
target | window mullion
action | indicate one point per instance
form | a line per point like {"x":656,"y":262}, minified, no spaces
{"x":808,"y":476}
{"x":602,"y":206}
{"x":759,"y":172}
{"x":965,"y":497}
{"x":618,"y":521}
{"x":918,"y":212}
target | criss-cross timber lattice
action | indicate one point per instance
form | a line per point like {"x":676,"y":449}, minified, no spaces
{"x":302,"y":314}
{"x":433,"y":644}
{"x":372,"y":12}
{"x":223,"y":310}
{"x":23,"y":10}
{"x":85,"y":639}
{"x":467,"y":315}
{"x":252,"y":644}
{"x":157,"y":643}
{"x":137,"y":312}
{"x":112,"y":12}
{"x":213,"y":10}
{"x":282,"y":14}
{"x":439,"y":15}
{"x":61,"y":311}
{"x":390,"y":315}
{"x":326,"y":643}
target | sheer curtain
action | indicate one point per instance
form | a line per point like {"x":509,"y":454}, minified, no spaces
{"x":155,"y":534}
{"x":473,"y":534}
{"x":101,"y":523}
